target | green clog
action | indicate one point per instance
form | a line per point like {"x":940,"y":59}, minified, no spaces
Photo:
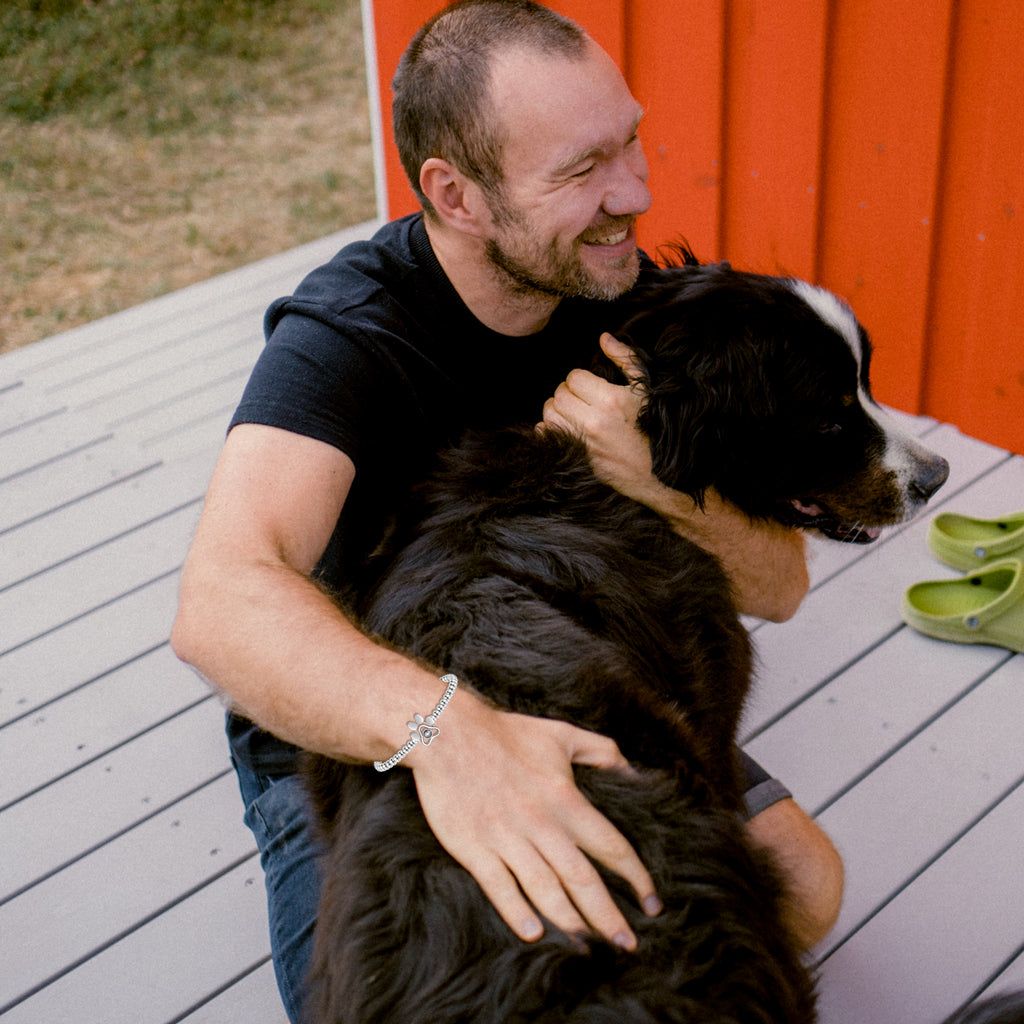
{"x":968,"y":543}
{"x":984,"y":607}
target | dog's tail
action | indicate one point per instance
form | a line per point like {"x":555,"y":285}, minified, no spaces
{"x":1007,"y":1008}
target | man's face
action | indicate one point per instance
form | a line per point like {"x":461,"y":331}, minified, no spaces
{"x":575,"y":176}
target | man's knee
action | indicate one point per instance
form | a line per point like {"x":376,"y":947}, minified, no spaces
{"x":810,"y":863}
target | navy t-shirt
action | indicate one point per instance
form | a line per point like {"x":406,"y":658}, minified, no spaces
{"x":377,"y":355}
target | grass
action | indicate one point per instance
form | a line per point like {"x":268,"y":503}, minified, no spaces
{"x":148,"y":144}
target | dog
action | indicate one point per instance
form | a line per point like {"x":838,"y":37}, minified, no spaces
{"x":551,"y":594}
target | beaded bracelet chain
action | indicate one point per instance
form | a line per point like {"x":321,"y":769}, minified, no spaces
{"x":422,"y":730}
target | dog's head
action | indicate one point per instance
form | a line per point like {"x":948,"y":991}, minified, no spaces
{"x":758,"y":387}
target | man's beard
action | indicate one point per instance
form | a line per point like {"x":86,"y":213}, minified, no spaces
{"x":552,"y":273}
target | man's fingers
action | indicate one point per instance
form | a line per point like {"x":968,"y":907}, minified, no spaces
{"x":595,"y":750}
{"x":605,"y":844}
{"x":590,"y":900}
{"x":596,"y":835}
{"x":554,"y":416}
{"x":499,"y":885}
{"x":557,"y":884}
{"x":533,"y":851}
{"x":621,"y":355}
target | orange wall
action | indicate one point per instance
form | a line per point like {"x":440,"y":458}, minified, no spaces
{"x":876,"y":147}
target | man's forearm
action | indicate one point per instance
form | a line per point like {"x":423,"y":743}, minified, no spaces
{"x":286,"y":656}
{"x":765,"y":561}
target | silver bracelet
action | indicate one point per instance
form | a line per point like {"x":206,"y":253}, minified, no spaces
{"x":422,"y":730}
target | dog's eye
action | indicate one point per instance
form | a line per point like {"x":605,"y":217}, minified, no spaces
{"x":830,"y":428}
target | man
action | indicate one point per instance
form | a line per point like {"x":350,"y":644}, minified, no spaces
{"x":520,"y":137}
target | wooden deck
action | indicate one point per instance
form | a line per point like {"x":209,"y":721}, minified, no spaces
{"x":129,"y":888}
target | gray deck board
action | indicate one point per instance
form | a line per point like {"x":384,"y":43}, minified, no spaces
{"x":42,"y":489}
{"x":876,"y":975}
{"x":69,"y":916}
{"x":90,"y":721}
{"x":253,"y":999}
{"x":101,"y":574}
{"x":927,"y":794}
{"x":167,"y":966}
{"x":112,"y":794}
{"x":48,"y":541}
{"x":61,"y":660}
{"x":124,"y":867}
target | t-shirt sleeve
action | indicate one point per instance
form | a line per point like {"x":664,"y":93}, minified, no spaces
{"x":315,"y":381}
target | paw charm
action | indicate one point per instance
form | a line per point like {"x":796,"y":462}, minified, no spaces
{"x":423,"y":730}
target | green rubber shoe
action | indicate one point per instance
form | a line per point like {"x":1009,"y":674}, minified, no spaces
{"x":985,"y":607}
{"x":967,"y":543}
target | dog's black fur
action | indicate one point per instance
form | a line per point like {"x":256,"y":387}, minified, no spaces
{"x":551,"y":594}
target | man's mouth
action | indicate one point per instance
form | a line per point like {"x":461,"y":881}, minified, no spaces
{"x":811,"y":516}
{"x":608,"y":238}
{"x":617,"y":239}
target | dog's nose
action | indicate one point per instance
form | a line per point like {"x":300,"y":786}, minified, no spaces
{"x":931,"y":477}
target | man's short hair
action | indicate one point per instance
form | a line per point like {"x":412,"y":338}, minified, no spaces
{"x":442,"y":102}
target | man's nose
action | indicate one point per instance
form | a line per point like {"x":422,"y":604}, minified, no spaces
{"x":628,"y":194}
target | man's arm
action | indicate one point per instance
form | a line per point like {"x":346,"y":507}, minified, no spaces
{"x":251,"y":620}
{"x":766,"y":562}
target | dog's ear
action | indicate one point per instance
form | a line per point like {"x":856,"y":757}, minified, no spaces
{"x":703,"y":393}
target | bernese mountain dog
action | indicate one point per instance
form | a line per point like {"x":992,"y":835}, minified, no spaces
{"x":551,"y":594}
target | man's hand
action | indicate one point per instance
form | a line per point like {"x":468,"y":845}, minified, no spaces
{"x":766,"y":562}
{"x":498,"y":793}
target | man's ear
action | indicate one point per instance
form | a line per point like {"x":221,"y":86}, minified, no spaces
{"x":459,"y":202}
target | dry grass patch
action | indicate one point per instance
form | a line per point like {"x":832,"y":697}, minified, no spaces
{"x":224,"y":160}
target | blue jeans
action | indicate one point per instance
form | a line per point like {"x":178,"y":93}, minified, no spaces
{"x":278,"y":813}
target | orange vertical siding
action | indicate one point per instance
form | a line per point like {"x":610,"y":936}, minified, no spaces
{"x":675,"y":69}
{"x":974,"y":357}
{"x":772,"y":118}
{"x":874,"y":146}
{"x":880,"y":152}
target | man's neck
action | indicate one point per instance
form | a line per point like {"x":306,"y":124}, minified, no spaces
{"x":492,"y":300}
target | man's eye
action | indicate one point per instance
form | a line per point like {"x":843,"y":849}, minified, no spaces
{"x":583,"y":172}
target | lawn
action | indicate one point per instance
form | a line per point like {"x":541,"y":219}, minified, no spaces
{"x":148,"y":144}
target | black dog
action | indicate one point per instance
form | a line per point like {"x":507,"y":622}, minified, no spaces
{"x":553,"y":595}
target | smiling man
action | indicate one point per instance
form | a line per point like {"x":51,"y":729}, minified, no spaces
{"x":520,"y":138}
{"x":574,"y":177}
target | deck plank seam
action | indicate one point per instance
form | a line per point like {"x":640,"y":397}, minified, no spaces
{"x":35,"y":421}
{"x":176,"y":399}
{"x":806,"y":695}
{"x":115,"y":835}
{"x":78,"y":687}
{"x":90,"y":611}
{"x":164,"y":346}
{"x":924,"y":866}
{"x":106,"y":752}
{"x":224,"y":413}
{"x":127,"y":478}
{"x":993,"y":976}
{"x":92,"y":548}
{"x":77,"y":450}
{"x":220,"y":991}
{"x":120,"y":391}
{"x":120,"y":936}
{"x":910,"y":736}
